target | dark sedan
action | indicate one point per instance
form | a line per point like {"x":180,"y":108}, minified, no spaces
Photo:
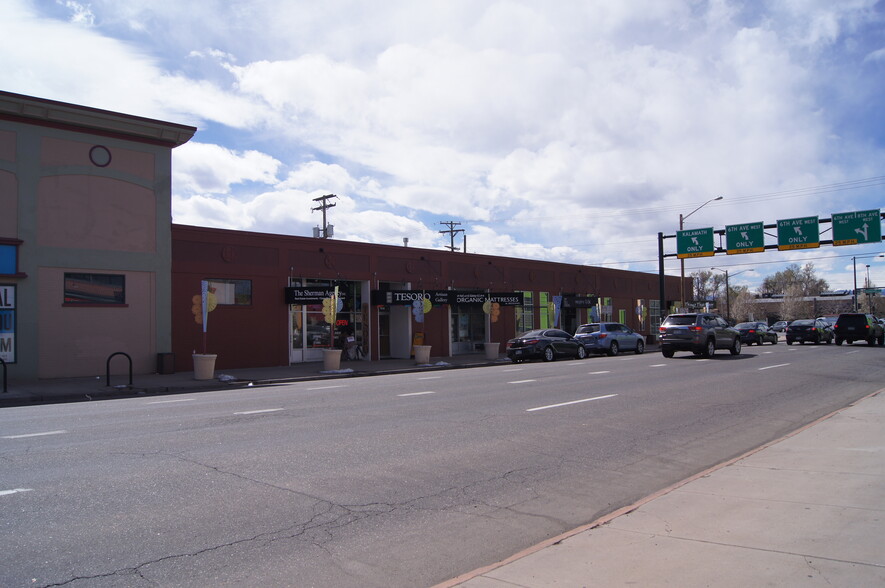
{"x":757,"y":333}
{"x":812,"y":330}
{"x":546,"y":344}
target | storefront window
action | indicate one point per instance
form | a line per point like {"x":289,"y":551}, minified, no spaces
{"x":525,"y":313}
{"x":231,"y":292}
{"x":543,"y":310}
{"x":468,"y":325}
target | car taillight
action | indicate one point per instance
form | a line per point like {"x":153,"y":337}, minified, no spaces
{"x":813,"y":328}
{"x":602,"y":335}
{"x":662,"y":329}
{"x":696,"y":329}
{"x":752,"y":330}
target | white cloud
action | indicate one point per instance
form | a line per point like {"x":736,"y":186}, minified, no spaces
{"x":201,"y":168}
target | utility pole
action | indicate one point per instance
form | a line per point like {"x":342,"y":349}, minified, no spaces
{"x":326,"y":231}
{"x":452,"y":232}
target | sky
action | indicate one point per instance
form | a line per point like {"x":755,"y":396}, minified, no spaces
{"x":567,"y":131}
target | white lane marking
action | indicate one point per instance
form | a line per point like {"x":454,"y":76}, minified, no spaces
{"x":431,"y":378}
{"x":15,"y":491}
{"x":522,"y":381}
{"x":260,"y":411}
{"x":773,"y":366}
{"x":34,"y":434}
{"x":325,"y":387}
{"x":602,"y":372}
{"x":855,"y":351}
{"x":512,"y":370}
{"x":658,"y":364}
{"x":572,"y":402}
{"x":626,"y":358}
{"x":170,"y":401}
{"x":417,"y":393}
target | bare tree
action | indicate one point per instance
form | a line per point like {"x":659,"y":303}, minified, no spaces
{"x":792,"y":306}
{"x":742,"y":304}
{"x":802,"y":277}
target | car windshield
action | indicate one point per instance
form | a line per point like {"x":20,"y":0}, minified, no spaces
{"x":680,"y":319}
{"x":746,"y":326}
{"x":583,"y":329}
{"x":802,"y":323}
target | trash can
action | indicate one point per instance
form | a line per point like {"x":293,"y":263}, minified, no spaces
{"x":165,"y":363}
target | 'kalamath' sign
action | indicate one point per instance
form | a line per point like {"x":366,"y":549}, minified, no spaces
{"x":7,"y":323}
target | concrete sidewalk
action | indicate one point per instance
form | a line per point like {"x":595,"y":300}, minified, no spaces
{"x":101,"y":387}
{"x":807,"y":510}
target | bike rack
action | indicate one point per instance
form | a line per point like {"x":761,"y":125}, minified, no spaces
{"x":4,"y":375}
{"x":108,"y":371}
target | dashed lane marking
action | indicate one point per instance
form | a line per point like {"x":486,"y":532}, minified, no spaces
{"x":571,"y":402}
{"x":521,"y":381}
{"x":15,"y":491}
{"x":773,"y":366}
{"x":597,"y":373}
{"x":62,"y":432}
{"x":657,"y":365}
{"x":260,"y":411}
{"x":417,"y":393}
{"x":171,"y":401}
{"x":324,"y":388}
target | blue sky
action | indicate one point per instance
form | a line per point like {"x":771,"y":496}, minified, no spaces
{"x":568,"y":131}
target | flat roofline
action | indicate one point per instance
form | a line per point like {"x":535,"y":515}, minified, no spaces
{"x":51,"y":113}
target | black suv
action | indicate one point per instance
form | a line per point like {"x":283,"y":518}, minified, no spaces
{"x":856,"y":326}
{"x":702,"y":333}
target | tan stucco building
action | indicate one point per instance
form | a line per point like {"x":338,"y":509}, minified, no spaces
{"x":85,"y":237}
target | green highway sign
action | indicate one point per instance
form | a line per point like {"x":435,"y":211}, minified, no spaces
{"x":695,"y":243}
{"x":798,"y":233}
{"x":854,"y":228}
{"x":746,"y":238}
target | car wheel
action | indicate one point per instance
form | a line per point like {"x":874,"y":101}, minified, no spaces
{"x":817,"y":340}
{"x":613,"y":349}
{"x":710,"y":350}
{"x":736,"y":346}
{"x":838,"y":341}
{"x":871,"y":341}
{"x":640,"y":347}
{"x":789,"y":342}
{"x":667,"y":352}
{"x":582,"y":353}
{"x":549,"y":354}
{"x":829,"y":340}
{"x":774,"y":342}
{"x":882,"y":340}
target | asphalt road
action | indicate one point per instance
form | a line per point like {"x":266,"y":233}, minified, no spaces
{"x":404,"y":480}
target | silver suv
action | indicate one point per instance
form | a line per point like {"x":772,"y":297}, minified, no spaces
{"x":701,"y":333}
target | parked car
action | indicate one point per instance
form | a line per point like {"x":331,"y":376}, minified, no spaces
{"x":756,"y":332}
{"x":779,"y":326}
{"x":830,"y":319}
{"x":700,"y":333}
{"x":609,"y":338}
{"x":856,"y":326}
{"x":546,"y":344}
{"x":812,"y":330}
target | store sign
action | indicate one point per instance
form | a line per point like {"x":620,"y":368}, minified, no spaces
{"x":438,"y":297}
{"x":309,"y":295}
{"x":579,"y":301}
{"x":7,"y":323}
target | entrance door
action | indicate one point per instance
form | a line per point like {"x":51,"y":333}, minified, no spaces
{"x":310,"y":333}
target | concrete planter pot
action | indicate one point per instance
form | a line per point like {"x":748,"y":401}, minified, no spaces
{"x":204,"y":366}
{"x":422,"y":354}
{"x":331,"y":360}
{"x":492,"y":350}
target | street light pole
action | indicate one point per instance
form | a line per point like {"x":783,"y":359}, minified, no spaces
{"x":682,"y":261}
{"x":727,"y":291}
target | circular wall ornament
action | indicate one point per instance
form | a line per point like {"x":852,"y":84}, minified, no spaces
{"x":100,"y":155}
